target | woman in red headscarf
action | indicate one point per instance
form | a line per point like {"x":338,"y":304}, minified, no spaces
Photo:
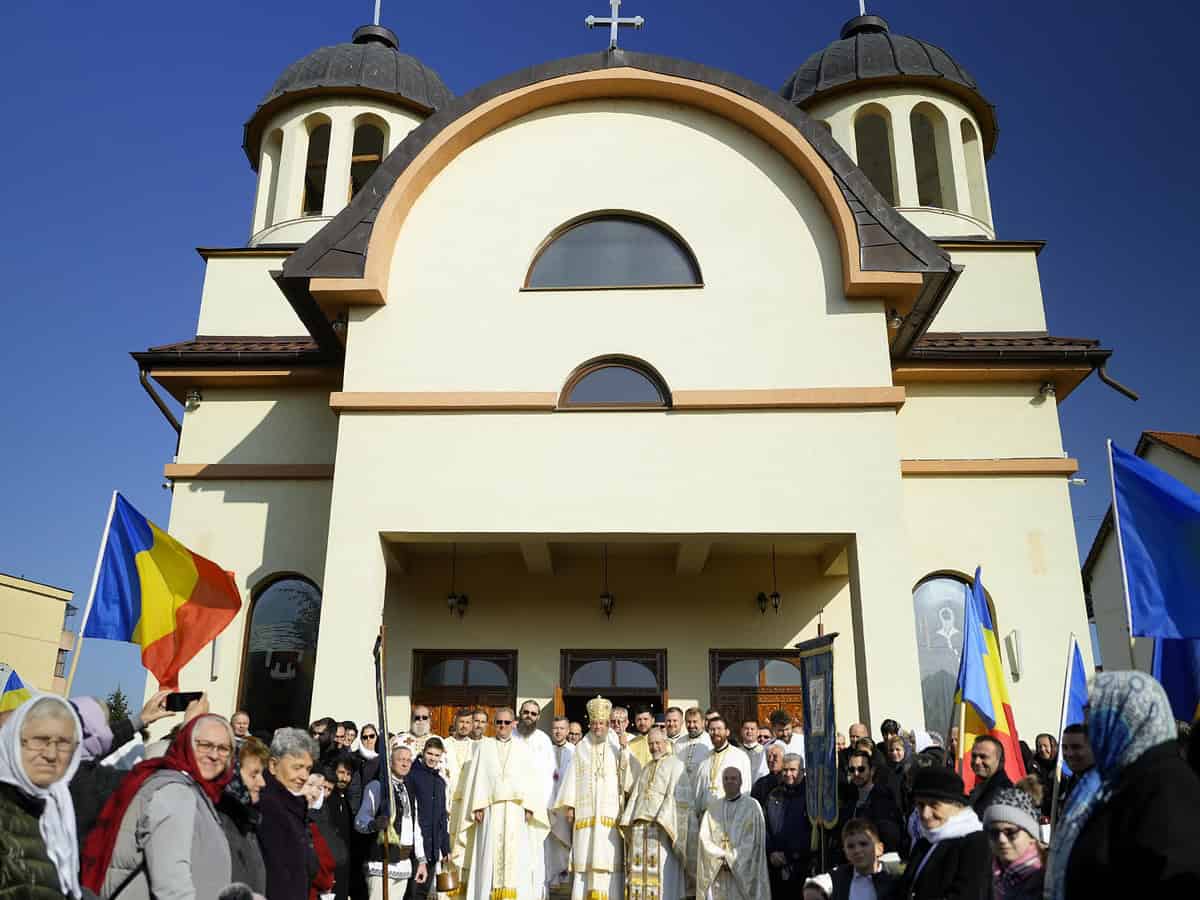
{"x":159,"y":834}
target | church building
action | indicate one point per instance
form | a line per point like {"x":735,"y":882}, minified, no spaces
{"x":623,"y":375}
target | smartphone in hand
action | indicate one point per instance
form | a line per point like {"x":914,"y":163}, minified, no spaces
{"x":178,"y":701}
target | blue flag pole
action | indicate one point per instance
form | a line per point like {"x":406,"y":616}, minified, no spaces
{"x":87,"y":609}
{"x":1112,"y":480}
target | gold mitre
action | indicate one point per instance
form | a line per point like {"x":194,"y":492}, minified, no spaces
{"x":599,"y":709}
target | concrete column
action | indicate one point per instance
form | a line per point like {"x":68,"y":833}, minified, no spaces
{"x":902,"y":149}
{"x":884,"y":638}
{"x":337,"y":175}
{"x":291,"y":171}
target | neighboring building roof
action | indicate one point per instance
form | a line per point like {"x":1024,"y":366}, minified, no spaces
{"x":36,"y":587}
{"x":888,"y":242}
{"x":868,"y":54}
{"x":1187,"y":444}
{"x":1019,"y":346}
{"x":1181,"y":441}
{"x":370,"y":63}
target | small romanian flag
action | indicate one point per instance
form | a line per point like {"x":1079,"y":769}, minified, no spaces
{"x":12,"y":689}
{"x":983,"y":690}
{"x":153,"y":591}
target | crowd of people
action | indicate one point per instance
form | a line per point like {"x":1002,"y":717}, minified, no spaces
{"x":688,"y":806}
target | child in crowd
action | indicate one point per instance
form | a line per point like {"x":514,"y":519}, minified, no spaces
{"x":863,"y":874}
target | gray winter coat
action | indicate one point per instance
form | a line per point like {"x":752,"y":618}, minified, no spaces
{"x":172,"y":826}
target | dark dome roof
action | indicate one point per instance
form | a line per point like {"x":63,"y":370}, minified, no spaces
{"x":370,"y":63}
{"x":868,"y":52}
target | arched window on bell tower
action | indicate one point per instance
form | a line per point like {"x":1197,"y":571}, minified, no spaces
{"x":370,"y":145}
{"x":931,"y":153}
{"x":316,"y":166}
{"x":873,"y":144}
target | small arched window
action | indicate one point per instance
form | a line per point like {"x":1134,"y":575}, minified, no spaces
{"x":366,"y":155}
{"x":615,"y":382}
{"x":931,"y":152}
{"x":614,"y":250}
{"x":316,"y":167}
{"x":939,"y":608}
{"x":976,"y":183}
{"x":873,"y":143}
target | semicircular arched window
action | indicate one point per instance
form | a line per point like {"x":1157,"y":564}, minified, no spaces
{"x":614,"y":251}
{"x":615,"y":382}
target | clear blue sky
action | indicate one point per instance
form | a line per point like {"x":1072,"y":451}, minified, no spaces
{"x":122,"y":152}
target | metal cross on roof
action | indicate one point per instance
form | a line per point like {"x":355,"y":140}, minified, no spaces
{"x":615,"y":22}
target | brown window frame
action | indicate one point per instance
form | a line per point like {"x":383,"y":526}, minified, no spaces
{"x":724,"y":655}
{"x":629,"y":215}
{"x":423,"y":658}
{"x":615,"y":361}
{"x":568,"y":656}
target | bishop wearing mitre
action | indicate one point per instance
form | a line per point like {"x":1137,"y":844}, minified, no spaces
{"x":591,"y":797}
{"x":732,"y":852}
{"x":499,"y":819}
{"x":656,"y":823}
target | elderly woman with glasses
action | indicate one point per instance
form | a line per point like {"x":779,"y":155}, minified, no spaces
{"x":159,"y":834}
{"x":287,"y":843}
{"x":39,"y":752}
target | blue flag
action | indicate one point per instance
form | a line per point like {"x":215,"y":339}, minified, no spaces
{"x":1177,"y":668}
{"x":1077,"y":695}
{"x":1158,"y":525}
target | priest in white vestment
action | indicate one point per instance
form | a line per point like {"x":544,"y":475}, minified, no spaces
{"x":459,"y":749}
{"x":732,"y":854}
{"x":558,"y":842}
{"x":591,"y":798}
{"x":722,"y":756}
{"x":498,"y":821}
{"x":693,"y":748}
{"x":542,"y":753}
{"x":656,"y":823}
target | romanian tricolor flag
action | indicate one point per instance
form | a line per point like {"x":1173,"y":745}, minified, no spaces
{"x":153,"y":591}
{"x":12,"y":689}
{"x":982,"y":689}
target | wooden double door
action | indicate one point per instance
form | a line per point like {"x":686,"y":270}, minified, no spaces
{"x":449,"y":680}
{"x":752,"y":684}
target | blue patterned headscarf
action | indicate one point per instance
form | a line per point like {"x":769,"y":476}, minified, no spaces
{"x":1128,"y":714}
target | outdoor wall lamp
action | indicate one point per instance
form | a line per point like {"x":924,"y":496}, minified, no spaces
{"x":191,"y":400}
{"x":607,"y":600}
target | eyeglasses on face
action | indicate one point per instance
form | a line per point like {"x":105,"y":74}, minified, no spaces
{"x":504,"y":721}
{"x":368,"y":736}
{"x":62,"y":746}
{"x":420,"y":718}
{"x":221,"y":750}
{"x":1010,"y":834}
{"x":856,"y":769}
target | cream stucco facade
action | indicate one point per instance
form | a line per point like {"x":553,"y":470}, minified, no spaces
{"x":440,"y":433}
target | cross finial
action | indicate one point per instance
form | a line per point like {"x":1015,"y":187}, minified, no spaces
{"x":377,"y":3}
{"x":862,"y":7}
{"x":615,"y":22}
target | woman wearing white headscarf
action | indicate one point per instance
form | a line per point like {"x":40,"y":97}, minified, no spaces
{"x":39,"y":753}
{"x":1130,"y":826}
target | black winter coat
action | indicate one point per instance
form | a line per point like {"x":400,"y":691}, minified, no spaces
{"x":26,"y":872}
{"x":1145,"y":842}
{"x":985,"y":791}
{"x":93,"y":783}
{"x":286,"y":843}
{"x":240,"y":824}
{"x":882,"y":810}
{"x":428,"y":789}
{"x":958,"y":869}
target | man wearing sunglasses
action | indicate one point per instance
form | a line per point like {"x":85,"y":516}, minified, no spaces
{"x":501,"y":805}
{"x":875,"y":804}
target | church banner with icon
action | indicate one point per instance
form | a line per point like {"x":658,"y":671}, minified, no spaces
{"x":820,"y":730}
